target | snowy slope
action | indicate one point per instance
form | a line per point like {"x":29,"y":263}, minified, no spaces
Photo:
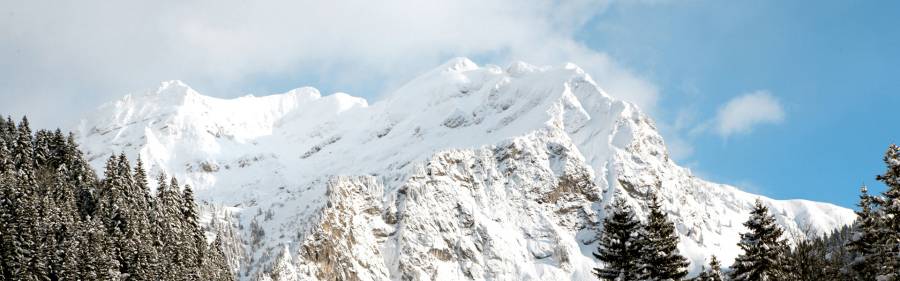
{"x":466,"y":172}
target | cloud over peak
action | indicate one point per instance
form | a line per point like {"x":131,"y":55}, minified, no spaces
{"x":55,"y":51}
{"x":741,"y":114}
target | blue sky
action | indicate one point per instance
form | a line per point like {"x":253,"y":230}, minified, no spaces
{"x":789,"y":99}
{"x":833,"y":66}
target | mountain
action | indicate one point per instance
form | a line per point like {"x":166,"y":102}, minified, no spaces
{"x":466,"y":172}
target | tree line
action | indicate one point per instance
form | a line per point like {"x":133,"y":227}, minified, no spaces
{"x":867,"y":250}
{"x":60,"y":221}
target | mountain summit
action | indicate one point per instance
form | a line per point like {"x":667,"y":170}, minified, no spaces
{"x":466,"y":172}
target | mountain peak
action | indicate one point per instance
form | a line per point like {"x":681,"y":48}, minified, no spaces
{"x":175,"y":89}
{"x":458,"y":64}
{"x":503,"y":173}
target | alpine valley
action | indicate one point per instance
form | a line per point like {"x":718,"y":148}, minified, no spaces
{"x":465,"y":173}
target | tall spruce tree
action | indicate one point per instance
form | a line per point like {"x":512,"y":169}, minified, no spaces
{"x":82,"y":176}
{"x":659,"y":257}
{"x":195,"y":244}
{"x":763,"y":249}
{"x":164,"y":230}
{"x":215,"y":266}
{"x":620,"y":244}
{"x":863,"y":243}
{"x":889,"y":233}
{"x":26,"y":204}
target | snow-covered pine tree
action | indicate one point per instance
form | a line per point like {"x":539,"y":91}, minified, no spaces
{"x":7,"y":215}
{"x":659,"y":257}
{"x":620,"y":244}
{"x":26,"y":205}
{"x":6,"y":163}
{"x":763,"y":249}
{"x":713,"y":272}
{"x":215,"y":266}
{"x":166,"y":229}
{"x":807,"y":260}
{"x":195,"y":241}
{"x":864,"y":240}
{"x":82,"y":176}
{"x":96,"y":253}
{"x":137,"y":257}
{"x":42,"y":148}
{"x":11,"y":131}
{"x":145,"y":258}
{"x":889,"y":233}
{"x":57,"y":149}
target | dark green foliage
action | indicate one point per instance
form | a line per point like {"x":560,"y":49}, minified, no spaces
{"x":620,"y":244}
{"x":863,"y":243}
{"x":888,"y":230}
{"x":764,"y":249}
{"x":659,"y":257}
{"x":59,"y":222}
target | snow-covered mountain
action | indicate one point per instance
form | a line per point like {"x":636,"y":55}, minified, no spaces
{"x":466,"y":172}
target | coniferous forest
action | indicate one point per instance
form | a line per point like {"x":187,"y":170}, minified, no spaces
{"x":868,"y":250}
{"x":60,"y":221}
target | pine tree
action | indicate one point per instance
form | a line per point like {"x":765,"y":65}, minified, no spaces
{"x":12,"y":256}
{"x":659,"y":257}
{"x":42,"y":148}
{"x":889,"y":242}
{"x":763,"y":249}
{"x":163,"y":231}
{"x":62,"y":220}
{"x":864,"y":240}
{"x":195,"y":245}
{"x":26,"y":203}
{"x":808,"y":260}
{"x":145,"y":256}
{"x":97,"y":253}
{"x":215,"y":266}
{"x":169,"y":230}
{"x":6,"y":161}
{"x":82,"y":176}
{"x":619,"y":247}
{"x":713,"y":273}
{"x":11,"y":132}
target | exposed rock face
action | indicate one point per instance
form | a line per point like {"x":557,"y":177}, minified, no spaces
{"x":465,"y":173}
{"x":345,"y":242}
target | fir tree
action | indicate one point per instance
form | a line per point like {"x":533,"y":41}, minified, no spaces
{"x":145,"y":256}
{"x":659,"y":257}
{"x":164,"y":231}
{"x":215,"y":266}
{"x":862,"y":244}
{"x":97,"y":253}
{"x":82,"y":177}
{"x":195,"y":246}
{"x":619,"y":246}
{"x":763,"y":249}
{"x":713,"y":273}
{"x":42,"y":148}
{"x":889,"y":233}
{"x":6,"y":161}
{"x":26,"y":204}
{"x":808,"y":260}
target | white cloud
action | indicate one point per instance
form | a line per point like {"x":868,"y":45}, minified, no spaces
{"x":68,"y":56}
{"x":741,"y":114}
